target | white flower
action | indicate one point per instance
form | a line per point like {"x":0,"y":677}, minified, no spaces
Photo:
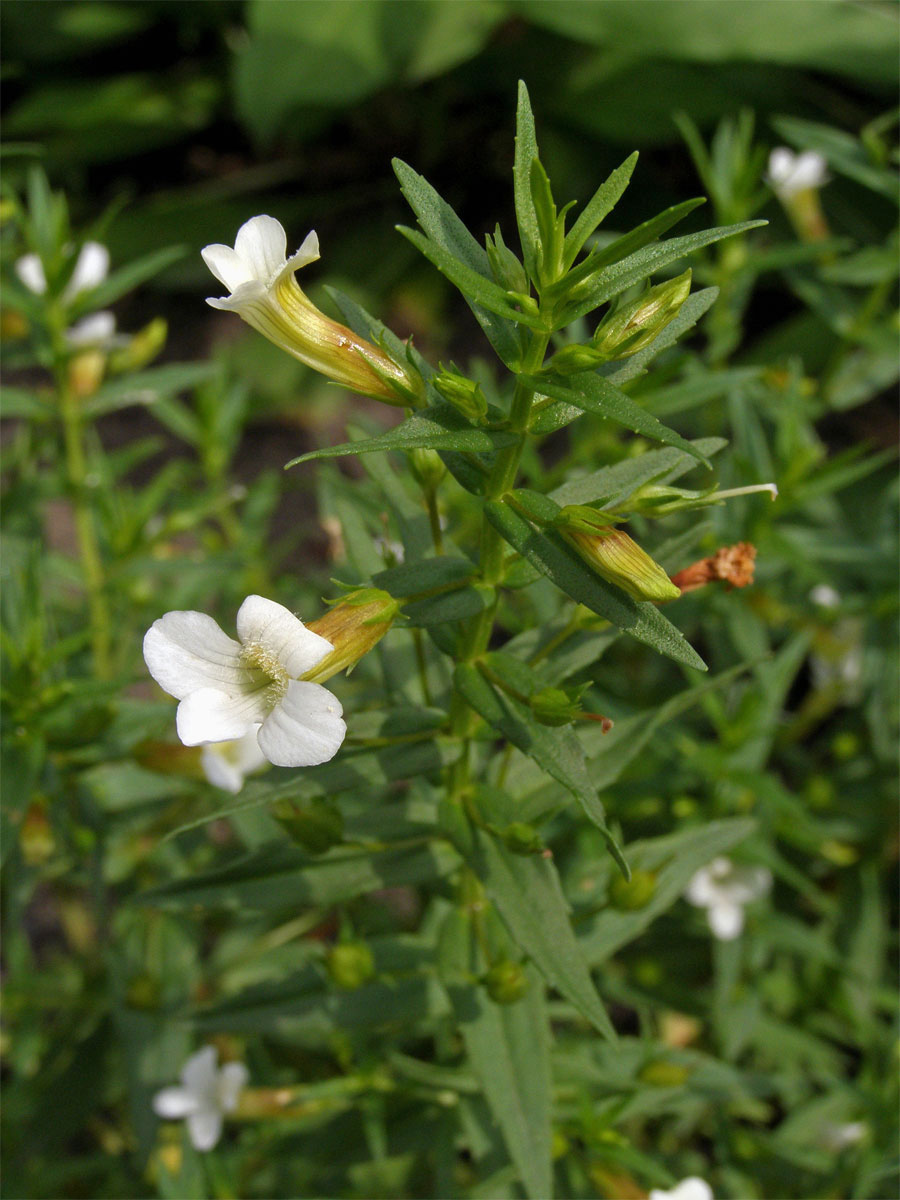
{"x":692,"y":1188}
{"x":265,"y":294}
{"x":840,"y":1137}
{"x":206,"y":1094}
{"x":790,"y":173}
{"x":825,"y":595}
{"x":723,"y":889}
{"x":226,"y":763}
{"x":91,"y":268}
{"x":226,"y":687}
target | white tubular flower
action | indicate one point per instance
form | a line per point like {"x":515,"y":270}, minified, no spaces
{"x":226,"y":687}
{"x":265,"y":294}
{"x":225,"y":764}
{"x":692,"y":1188}
{"x":206,"y":1094}
{"x":91,"y":268}
{"x":723,"y":889}
{"x":790,"y":173}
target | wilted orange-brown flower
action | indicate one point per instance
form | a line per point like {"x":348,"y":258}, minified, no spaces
{"x":730,"y":564}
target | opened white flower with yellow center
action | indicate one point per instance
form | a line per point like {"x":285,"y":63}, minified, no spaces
{"x":265,"y":294}
{"x":206,"y":1094}
{"x":723,"y":889}
{"x":226,"y":687}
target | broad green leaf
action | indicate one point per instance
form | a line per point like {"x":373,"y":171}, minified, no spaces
{"x":616,"y":483}
{"x":594,"y":394}
{"x":440,"y":428}
{"x":528,"y":896}
{"x":446,"y":230}
{"x":638,"y":266}
{"x":673,"y":860}
{"x":280,"y":876}
{"x":553,"y":558}
{"x":477,"y":290}
{"x":426,"y":575}
{"x":556,"y":750}
{"x":508,"y":1047}
{"x":598,"y":208}
{"x":526,"y":153}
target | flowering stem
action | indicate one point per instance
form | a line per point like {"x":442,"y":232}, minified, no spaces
{"x":91,"y":562}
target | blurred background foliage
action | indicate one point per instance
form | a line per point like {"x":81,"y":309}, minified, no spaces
{"x":170,"y":124}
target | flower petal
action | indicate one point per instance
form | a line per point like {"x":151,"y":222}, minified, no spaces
{"x":91,"y":268}
{"x":226,"y":763}
{"x":227,"y":266}
{"x":98,"y":327}
{"x":262,"y":244}
{"x":283,"y":635}
{"x":209,"y":715}
{"x":198,"y":1075}
{"x":232,"y":1080}
{"x":187,"y":650}
{"x":244,"y":295}
{"x":726,"y":919}
{"x":30,"y":270}
{"x":204,"y":1128}
{"x":307,"y":253}
{"x":173,"y":1103}
{"x":304,"y":729}
{"x":692,"y":1188}
{"x":702,"y":890}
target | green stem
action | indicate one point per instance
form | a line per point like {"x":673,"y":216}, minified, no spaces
{"x":434,"y":519}
{"x":89,"y":550}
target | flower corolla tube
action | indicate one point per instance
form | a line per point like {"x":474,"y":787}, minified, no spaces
{"x":226,"y":687}
{"x":264,"y":292}
{"x":207,"y":1092}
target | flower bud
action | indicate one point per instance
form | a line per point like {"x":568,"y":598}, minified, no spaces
{"x":575,"y":358}
{"x":350,"y":965}
{"x":614,"y":555}
{"x":633,"y":893}
{"x":427,"y":466}
{"x":506,"y":982}
{"x":551,"y":706}
{"x":86,"y":370}
{"x":633,"y":326}
{"x":353,"y":627}
{"x":522,"y":838}
{"x":142,"y":348}
{"x":36,"y":835}
{"x":315,"y":824}
{"x":464,"y":394}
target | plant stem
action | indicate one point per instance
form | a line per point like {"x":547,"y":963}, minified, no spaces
{"x":89,"y":550}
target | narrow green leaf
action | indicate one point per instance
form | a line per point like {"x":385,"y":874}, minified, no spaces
{"x":414,"y":578}
{"x":556,"y":750}
{"x":449,"y":606}
{"x":146,"y":387}
{"x":526,"y":153}
{"x":20,"y":402}
{"x":616,"y":483}
{"x":477,"y":289}
{"x":594,"y":394}
{"x":550,"y":555}
{"x":126,"y":279}
{"x":645,"y":233}
{"x":598,"y":208}
{"x":621,"y":275}
{"x":445,"y":228}
{"x":440,"y":428}
{"x":508,"y":1047}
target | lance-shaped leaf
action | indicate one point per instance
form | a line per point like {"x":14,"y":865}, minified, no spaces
{"x":526,"y":153}
{"x":550,"y":555}
{"x":594,"y":394}
{"x":598,"y":208}
{"x":556,"y":750}
{"x":615,"y":278}
{"x":126,"y":279}
{"x":440,"y":428}
{"x":508,"y":1047}
{"x":446,"y":230}
{"x":615,"y":483}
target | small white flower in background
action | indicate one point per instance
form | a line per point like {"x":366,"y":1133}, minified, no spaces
{"x":692,"y":1188}
{"x":723,"y":888}
{"x":225,"y":764}
{"x":840,"y":1137}
{"x":206,"y":1094}
{"x":265,"y":294}
{"x":91,"y":268}
{"x":227,"y":687}
{"x":825,"y":595}
{"x":790,"y":173}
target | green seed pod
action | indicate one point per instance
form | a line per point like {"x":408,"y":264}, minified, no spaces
{"x":350,"y":965}
{"x":522,"y":838}
{"x":552,"y":706}
{"x":636,"y":892}
{"x":506,"y":982}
